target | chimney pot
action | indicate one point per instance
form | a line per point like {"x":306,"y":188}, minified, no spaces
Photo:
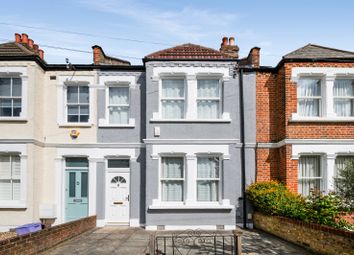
{"x":225,"y":41}
{"x":41,"y":54}
{"x":24,"y":38}
{"x":30,"y":43}
{"x":17,"y":38}
{"x":35,"y":47}
{"x":232,"y":41}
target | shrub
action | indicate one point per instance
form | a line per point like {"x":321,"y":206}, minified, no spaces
{"x":344,"y":184}
{"x":274,"y":198}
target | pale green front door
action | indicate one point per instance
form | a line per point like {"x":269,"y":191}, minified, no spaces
{"x":76,"y":188}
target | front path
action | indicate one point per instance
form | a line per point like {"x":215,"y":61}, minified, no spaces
{"x":133,"y":241}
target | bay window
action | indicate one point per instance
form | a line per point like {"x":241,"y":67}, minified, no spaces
{"x":309,"y":174}
{"x":173,"y":99}
{"x":208,"y":178}
{"x":78,"y":103}
{"x":309,"y":97}
{"x":208,"y":99}
{"x":343,"y":96}
{"x":10,"y":177}
{"x":172,"y":178}
{"x":10,"y":97}
{"x":118,"y":105}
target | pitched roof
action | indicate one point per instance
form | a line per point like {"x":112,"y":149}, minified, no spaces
{"x":188,"y":52}
{"x":14,"y":49}
{"x":313,"y":51}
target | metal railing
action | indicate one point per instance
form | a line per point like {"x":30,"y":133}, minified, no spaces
{"x":195,"y":242}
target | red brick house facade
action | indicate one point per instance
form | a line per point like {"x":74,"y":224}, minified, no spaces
{"x":305,"y":118}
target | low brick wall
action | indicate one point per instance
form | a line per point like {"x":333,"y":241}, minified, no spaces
{"x":318,"y":238}
{"x":34,"y":243}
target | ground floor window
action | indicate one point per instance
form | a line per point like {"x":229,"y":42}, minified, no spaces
{"x":208,"y":178}
{"x":340,"y":164}
{"x":10,"y":177}
{"x":310,"y":174}
{"x":172,"y":178}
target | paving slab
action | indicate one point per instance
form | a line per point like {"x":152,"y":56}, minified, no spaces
{"x":134,"y":241}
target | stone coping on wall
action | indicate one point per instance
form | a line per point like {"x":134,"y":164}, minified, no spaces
{"x":44,"y":239}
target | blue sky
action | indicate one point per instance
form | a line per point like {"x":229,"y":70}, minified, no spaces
{"x":277,"y":26}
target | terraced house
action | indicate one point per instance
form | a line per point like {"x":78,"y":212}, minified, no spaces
{"x":172,"y":143}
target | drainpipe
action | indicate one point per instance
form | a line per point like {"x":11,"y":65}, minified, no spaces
{"x":242,"y":141}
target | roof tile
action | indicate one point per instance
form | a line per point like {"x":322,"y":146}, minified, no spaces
{"x":313,"y":51}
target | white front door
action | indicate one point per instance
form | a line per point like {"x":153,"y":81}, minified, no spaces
{"x":117,"y":198}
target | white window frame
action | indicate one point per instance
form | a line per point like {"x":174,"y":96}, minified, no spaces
{"x":219,"y":179}
{"x":21,"y":150}
{"x":219,"y":98}
{"x":346,"y":97}
{"x":17,"y":72}
{"x":322,"y":169}
{"x":78,"y":104}
{"x":63,"y":83}
{"x":161,"y":179}
{"x":328,"y":74}
{"x":121,"y":85}
{"x":184,"y":98}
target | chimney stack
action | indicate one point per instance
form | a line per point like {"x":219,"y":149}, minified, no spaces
{"x":228,"y":47}
{"x":17,"y":38}
{"x":24,"y":38}
{"x":41,"y":54}
{"x":30,"y":43}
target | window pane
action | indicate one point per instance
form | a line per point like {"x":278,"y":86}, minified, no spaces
{"x":172,"y":190}
{"x":16,"y":87}
{"x":5,"y":107}
{"x":84,"y":110}
{"x":118,"y":163}
{"x":343,"y":88}
{"x":341,"y":162}
{"x":5,"y":87}
{"x":84,"y":182}
{"x":84,"y":118}
{"x":72,"y":184}
{"x":172,"y":167}
{"x":16,"y":190}
{"x":119,"y":95}
{"x":16,"y":111}
{"x":77,"y":162}
{"x":309,"y":107}
{"x":207,"y":190}
{"x":72,"y":94}
{"x":73,"y":118}
{"x":84,"y":94}
{"x":5,"y":167}
{"x":173,"y":88}
{"x":208,"y":88}
{"x":208,"y":109}
{"x":309,"y":168}
{"x":5,"y":190}
{"x":173,"y":109}
{"x":309,"y":88}
{"x":208,"y":167}
{"x":73,"y":110}
{"x":16,"y":167}
{"x":306,"y":185}
{"x":118,"y":115}
{"x":344,"y":107}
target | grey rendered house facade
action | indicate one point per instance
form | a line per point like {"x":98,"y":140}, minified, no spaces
{"x":157,"y":145}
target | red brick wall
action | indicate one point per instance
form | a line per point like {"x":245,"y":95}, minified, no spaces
{"x":276,"y":101}
{"x":37,"y":242}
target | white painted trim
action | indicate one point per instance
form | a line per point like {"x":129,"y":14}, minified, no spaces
{"x":305,"y":141}
{"x":230,"y":227}
{"x":194,"y":227}
{"x":197,"y":205}
{"x":92,"y":175}
{"x":191,"y":120}
{"x":6,"y":228}
{"x":100,"y":223}
{"x":191,"y":141}
{"x":191,"y":149}
{"x":151,"y":227}
{"x":21,"y":150}
{"x":134,"y":222}
{"x":296,"y":118}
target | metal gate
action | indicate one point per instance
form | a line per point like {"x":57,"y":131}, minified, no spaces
{"x":196,"y":242}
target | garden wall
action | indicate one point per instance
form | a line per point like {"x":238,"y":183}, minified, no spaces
{"x":34,"y":243}
{"x":318,"y":238}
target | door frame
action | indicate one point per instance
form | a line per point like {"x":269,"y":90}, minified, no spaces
{"x":107,"y":180}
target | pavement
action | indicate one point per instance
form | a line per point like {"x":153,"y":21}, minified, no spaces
{"x":134,"y":241}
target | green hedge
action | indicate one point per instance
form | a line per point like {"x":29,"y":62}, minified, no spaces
{"x":274,"y":198}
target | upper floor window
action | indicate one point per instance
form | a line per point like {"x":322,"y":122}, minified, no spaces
{"x":343,"y":96}
{"x":173,"y":98}
{"x":172,"y":178}
{"x":118,"y":105}
{"x":208,"y":178}
{"x":309,"y":97}
{"x":208,"y":99}
{"x":10,"y":177}
{"x":10,"y":97}
{"x":78,"y":103}
{"x":309,"y":174}
{"x":118,"y":163}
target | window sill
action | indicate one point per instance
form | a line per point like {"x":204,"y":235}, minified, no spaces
{"x":14,"y":119}
{"x":12,"y":205}
{"x":103,"y":123}
{"x":160,"y":205}
{"x":190,"y":120}
{"x":77,"y":125}
{"x":321,"y":119}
